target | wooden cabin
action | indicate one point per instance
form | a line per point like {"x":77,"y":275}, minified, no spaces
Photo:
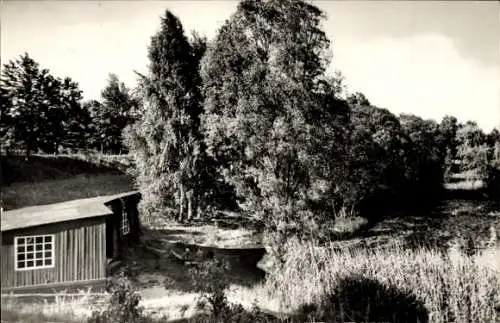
{"x":68,"y":243}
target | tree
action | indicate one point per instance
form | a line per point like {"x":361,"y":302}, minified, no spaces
{"x":21,"y":88}
{"x":77,"y":121}
{"x":270,"y":116}
{"x":7,"y":130}
{"x":472,"y":150}
{"x":37,"y":108}
{"x":92,"y":110}
{"x":166,"y":141}
{"x":448,"y":141}
{"x":358,"y":98}
{"x":117,"y":110}
{"x":493,"y":137}
{"x":424,"y":162}
{"x":470,"y":134}
{"x":375,"y":154}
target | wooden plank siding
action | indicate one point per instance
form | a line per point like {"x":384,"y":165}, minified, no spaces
{"x":117,"y":242}
{"x":79,"y":251}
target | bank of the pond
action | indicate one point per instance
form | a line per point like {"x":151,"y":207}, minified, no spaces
{"x":393,"y":284}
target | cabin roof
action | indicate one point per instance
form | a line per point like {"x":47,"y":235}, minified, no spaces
{"x":58,"y":212}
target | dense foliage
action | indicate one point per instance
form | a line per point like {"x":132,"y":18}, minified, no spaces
{"x":166,"y":141}
{"x":44,"y":113}
{"x":119,"y":108}
{"x":251,"y":118}
{"x":39,"y":111}
{"x":271,"y":120}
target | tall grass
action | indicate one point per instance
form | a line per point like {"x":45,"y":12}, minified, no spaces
{"x":62,"y":308}
{"x":453,"y":287}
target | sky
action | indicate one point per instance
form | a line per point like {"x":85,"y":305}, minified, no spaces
{"x":426,"y":58}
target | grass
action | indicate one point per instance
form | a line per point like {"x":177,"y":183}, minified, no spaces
{"x":203,"y":234}
{"x":51,"y":179}
{"x":38,"y":168}
{"x":466,"y":175}
{"x":382,"y":284}
{"x":120,"y":162}
{"x":64,"y":308}
{"x":465,"y":180}
{"x":53,"y":191}
{"x":349,"y":224}
{"x":446,"y":287}
{"x":465,"y":185}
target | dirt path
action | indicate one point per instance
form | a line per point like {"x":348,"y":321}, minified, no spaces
{"x":166,"y":282}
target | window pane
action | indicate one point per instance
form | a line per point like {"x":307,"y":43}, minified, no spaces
{"x":34,"y":251}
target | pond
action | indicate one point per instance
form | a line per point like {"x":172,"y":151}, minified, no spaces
{"x":436,"y":226}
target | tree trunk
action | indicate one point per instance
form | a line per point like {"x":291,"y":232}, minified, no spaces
{"x":181,"y":201}
{"x":196,"y":213}
{"x":28,"y":151}
{"x":190,"y":205}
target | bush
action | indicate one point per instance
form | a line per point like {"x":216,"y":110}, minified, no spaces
{"x":493,"y":182}
{"x":210,"y":280}
{"x":360,"y":299}
{"x":123,"y":307}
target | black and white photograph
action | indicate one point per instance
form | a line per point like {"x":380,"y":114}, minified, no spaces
{"x":249,"y":161}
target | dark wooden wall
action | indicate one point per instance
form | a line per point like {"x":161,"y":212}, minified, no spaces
{"x":80,"y":254}
{"x":129,"y":203}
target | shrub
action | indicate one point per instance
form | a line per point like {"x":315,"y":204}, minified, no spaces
{"x":360,"y":299}
{"x":123,"y":306}
{"x":210,"y":280}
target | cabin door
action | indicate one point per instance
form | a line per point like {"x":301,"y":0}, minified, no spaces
{"x":113,"y":247}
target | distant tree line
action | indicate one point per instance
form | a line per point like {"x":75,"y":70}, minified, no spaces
{"x":250,"y":119}
{"x":44,"y":113}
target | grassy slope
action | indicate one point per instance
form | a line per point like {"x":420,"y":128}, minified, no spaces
{"x":52,"y":179}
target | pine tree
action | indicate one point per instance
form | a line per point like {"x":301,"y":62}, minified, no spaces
{"x":166,"y":141}
{"x":38,"y":109}
{"x":114,"y":114}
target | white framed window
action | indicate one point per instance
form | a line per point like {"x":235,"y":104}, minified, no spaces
{"x":34,"y":252}
{"x":125,"y":225}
